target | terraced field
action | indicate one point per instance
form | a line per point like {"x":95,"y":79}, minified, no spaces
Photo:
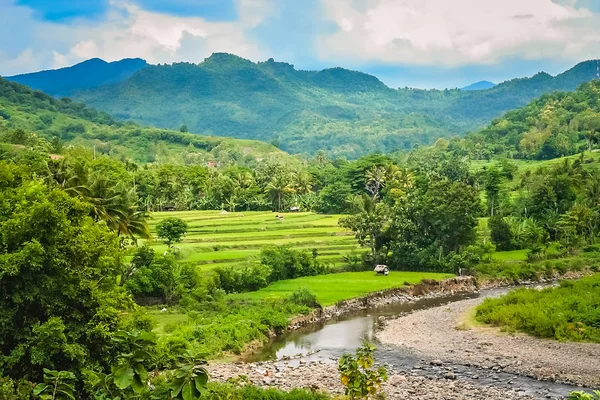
{"x":216,"y":239}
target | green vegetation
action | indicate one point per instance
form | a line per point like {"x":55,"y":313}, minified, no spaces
{"x":555,"y":125}
{"x":234,"y":239}
{"x":334,"y":110}
{"x":63,"y":122}
{"x":567,"y":312}
{"x":358,"y":374}
{"x":329,"y":289}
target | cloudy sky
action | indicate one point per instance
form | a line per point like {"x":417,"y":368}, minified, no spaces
{"x":416,"y":43}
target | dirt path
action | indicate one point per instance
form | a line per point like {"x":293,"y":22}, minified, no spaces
{"x":433,"y":333}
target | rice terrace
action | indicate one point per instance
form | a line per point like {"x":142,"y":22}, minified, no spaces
{"x":215,"y":238}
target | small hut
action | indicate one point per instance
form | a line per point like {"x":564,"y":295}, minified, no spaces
{"x":381,"y":269}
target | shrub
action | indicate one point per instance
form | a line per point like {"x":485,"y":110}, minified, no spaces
{"x":358,"y":374}
{"x":304,"y":297}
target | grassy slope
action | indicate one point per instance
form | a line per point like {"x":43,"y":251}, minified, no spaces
{"x":36,"y":112}
{"x":332,"y":288}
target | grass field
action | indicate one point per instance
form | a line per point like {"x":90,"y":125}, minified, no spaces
{"x":332,"y":288}
{"x":513,"y":255}
{"x":216,"y":239}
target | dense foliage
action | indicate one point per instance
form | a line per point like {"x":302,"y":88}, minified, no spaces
{"x":554,"y":125}
{"x":340,"y":111}
{"x":58,"y":270}
{"x":567,"y":312}
{"x":64,"y":122}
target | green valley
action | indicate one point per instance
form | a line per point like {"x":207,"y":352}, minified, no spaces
{"x":343,"y":112}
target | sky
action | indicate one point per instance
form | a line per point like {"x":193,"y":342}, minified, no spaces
{"x":414,"y":43}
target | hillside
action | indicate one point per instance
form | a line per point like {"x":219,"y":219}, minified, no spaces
{"x":74,"y":123}
{"x":85,"y":75}
{"x":343,"y":112}
{"x":554,"y":125}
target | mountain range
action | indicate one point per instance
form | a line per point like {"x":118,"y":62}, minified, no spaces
{"x":344,"y":112}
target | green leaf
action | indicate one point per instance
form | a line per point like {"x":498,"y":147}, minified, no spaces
{"x":123,"y":376}
{"x":201,"y":380}
{"x":67,"y":393}
{"x":176,"y":386}
{"x":137,"y":384}
{"x":188,"y":391}
{"x":141,"y":371}
{"x":39,"y":388}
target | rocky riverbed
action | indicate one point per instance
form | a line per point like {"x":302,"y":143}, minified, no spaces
{"x":438,"y":333}
{"x":323,"y":376}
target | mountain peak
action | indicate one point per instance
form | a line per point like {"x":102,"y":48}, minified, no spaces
{"x":481,"y":85}
{"x":84,"y":75}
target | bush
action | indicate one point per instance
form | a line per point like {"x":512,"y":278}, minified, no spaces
{"x":304,"y":297}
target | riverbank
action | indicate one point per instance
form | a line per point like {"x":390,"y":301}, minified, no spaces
{"x":323,"y":376}
{"x":427,"y":289}
{"x":438,"y":333}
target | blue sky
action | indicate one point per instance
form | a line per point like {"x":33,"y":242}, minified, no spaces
{"x":415,"y":43}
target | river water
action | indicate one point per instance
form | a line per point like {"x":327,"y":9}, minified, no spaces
{"x":328,"y":341}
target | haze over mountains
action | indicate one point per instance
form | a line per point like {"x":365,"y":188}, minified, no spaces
{"x":343,"y":112}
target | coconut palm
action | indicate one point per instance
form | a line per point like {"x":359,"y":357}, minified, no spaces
{"x":279,"y":188}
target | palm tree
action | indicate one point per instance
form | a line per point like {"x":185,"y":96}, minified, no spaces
{"x":302,"y":182}
{"x":278,"y":188}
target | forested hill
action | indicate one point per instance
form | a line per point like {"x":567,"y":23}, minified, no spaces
{"x":554,"y":125}
{"x":343,"y":112}
{"x":85,"y":75}
{"x":62,"y":122}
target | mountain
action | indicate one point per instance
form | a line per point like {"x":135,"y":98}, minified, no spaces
{"x":554,"y":125}
{"x":85,"y":75}
{"x":481,"y":85}
{"x":74,"y":123}
{"x":346,"y":113}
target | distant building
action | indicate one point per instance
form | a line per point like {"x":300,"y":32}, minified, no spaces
{"x":169,"y":207}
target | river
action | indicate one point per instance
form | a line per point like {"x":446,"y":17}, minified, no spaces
{"x":328,"y":341}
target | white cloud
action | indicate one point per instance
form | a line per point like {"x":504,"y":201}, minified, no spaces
{"x":456,"y":32}
{"x":126,"y":31}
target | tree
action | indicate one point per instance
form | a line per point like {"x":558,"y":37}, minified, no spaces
{"x":368,"y":223}
{"x":58,"y":272}
{"x":183,"y":128}
{"x":492,"y":181}
{"x":500,"y":233}
{"x":171,"y":230}
{"x":279,"y":188}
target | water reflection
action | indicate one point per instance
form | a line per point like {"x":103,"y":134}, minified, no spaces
{"x":340,"y":335}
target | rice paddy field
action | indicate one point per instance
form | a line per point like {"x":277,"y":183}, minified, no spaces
{"x":332,"y":288}
{"x":222,"y":239}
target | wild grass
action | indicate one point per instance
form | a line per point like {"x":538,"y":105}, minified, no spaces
{"x":570,"y":311}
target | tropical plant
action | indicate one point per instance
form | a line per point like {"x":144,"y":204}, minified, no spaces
{"x":58,"y":385}
{"x":361,"y":379}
